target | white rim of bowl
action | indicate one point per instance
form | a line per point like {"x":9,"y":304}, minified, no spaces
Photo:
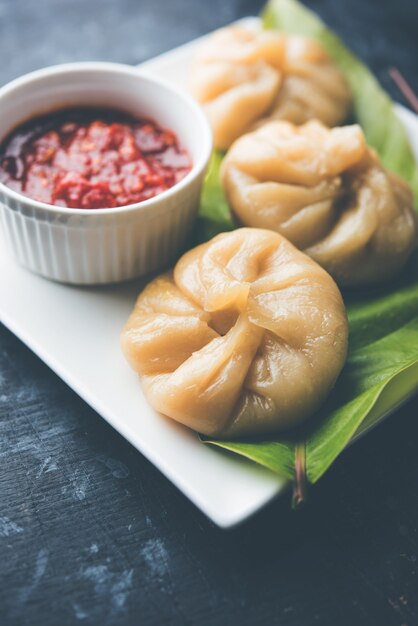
{"x":100,"y":66}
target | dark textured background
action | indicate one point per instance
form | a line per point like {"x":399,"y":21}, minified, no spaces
{"x":90,"y":532}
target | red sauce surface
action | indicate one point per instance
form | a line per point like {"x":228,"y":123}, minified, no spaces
{"x":91,"y":159}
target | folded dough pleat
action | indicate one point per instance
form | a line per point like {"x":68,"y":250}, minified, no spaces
{"x":326,"y":191}
{"x":244,"y":77}
{"x":203,"y":390}
{"x":248,"y":335}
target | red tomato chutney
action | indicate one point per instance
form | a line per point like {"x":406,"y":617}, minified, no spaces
{"x":90,"y":158}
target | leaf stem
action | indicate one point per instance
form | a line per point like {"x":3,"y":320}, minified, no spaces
{"x":300,"y":483}
{"x":404,"y":87}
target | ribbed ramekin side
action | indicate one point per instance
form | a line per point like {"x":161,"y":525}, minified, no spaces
{"x":100,"y":248}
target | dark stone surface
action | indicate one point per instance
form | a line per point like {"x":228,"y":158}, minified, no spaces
{"x":90,"y":532}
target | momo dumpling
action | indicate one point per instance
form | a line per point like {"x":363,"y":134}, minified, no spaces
{"x":246,"y":336}
{"x":312,"y":87}
{"x":236,"y":78}
{"x":235,"y":96}
{"x":326,"y":191}
{"x":243,"y":77}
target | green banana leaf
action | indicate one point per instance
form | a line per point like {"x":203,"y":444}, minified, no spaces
{"x":214,"y":214}
{"x":382,"y":364}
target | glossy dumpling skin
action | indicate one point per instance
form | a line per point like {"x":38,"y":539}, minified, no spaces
{"x":244,"y":77}
{"x":236,"y":76}
{"x":246,"y":336}
{"x":327,"y":192}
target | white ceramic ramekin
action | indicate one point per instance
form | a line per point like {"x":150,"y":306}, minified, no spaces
{"x":103,"y":245}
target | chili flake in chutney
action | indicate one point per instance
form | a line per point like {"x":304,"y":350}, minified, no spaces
{"x":91,"y":159}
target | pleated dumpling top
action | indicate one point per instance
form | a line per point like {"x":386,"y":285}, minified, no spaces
{"x":246,"y":336}
{"x":243,"y":77}
{"x":327,"y":192}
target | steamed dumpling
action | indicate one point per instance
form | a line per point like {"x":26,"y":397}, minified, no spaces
{"x":243,"y":77}
{"x":236,"y":78}
{"x":234,"y":96}
{"x":327,"y":192}
{"x":247,"y":335}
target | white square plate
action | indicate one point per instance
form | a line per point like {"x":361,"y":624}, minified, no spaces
{"x":76,"y":332}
